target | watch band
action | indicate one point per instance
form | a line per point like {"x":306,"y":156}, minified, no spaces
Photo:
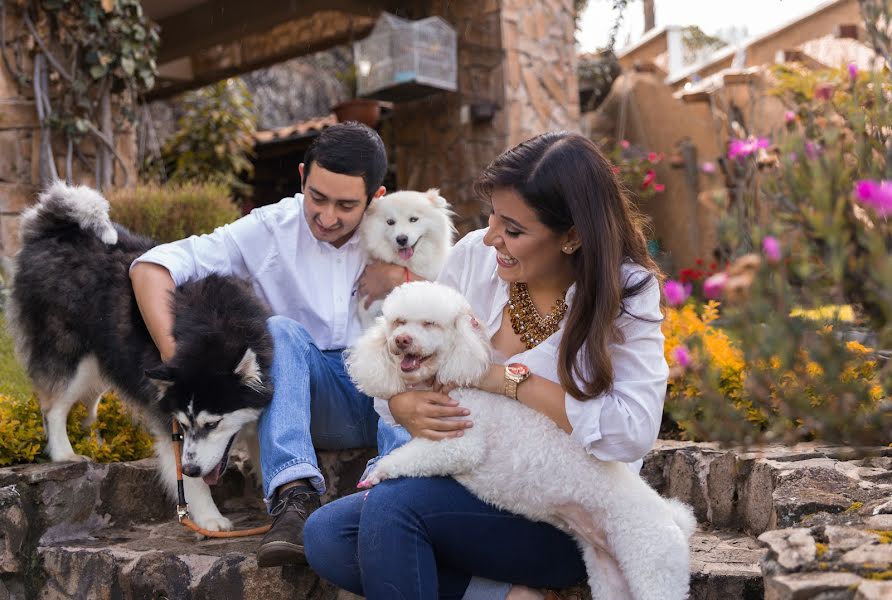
{"x":511,"y":388}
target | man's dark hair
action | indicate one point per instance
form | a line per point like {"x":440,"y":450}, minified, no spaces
{"x":349,"y":149}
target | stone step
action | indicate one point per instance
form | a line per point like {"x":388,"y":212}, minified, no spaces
{"x":163,"y":560}
{"x":771,"y":488}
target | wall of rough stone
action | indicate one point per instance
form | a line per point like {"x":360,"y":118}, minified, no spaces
{"x":20,"y":148}
{"x":518,"y":56}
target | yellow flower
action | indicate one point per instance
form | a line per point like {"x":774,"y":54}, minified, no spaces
{"x":858,"y":348}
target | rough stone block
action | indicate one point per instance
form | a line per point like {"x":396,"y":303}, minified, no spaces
{"x":14,"y":197}
{"x":13,"y":529}
{"x":17,"y":114}
{"x":802,"y":586}
{"x":791,"y":548}
{"x":874,"y":590}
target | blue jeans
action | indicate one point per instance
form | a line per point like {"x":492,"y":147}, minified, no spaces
{"x":314,"y":406}
{"x":424,"y":538}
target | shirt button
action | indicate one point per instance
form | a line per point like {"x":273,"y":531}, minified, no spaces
{"x":339,"y":261}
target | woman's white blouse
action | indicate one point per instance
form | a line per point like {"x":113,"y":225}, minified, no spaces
{"x":621,"y":424}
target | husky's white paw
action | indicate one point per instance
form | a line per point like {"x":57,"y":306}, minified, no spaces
{"x":213,"y":522}
{"x":71,"y":457}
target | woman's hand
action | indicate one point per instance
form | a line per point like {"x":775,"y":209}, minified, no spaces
{"x":494,"y":380}
{"x":427,"y":414}
{"x":378,"y":279}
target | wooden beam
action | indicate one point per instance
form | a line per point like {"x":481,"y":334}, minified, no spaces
{"x":220,"y":21}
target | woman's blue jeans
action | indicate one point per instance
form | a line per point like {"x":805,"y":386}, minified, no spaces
{"x":424,"y":538}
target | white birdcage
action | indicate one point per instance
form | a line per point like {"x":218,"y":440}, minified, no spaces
{"x":404,"y":60}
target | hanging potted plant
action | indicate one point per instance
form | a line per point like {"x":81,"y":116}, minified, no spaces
{"x":363,"y":110}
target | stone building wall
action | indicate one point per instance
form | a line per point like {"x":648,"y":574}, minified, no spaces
{"x":519,"y":57}
{"x":20,"y":177}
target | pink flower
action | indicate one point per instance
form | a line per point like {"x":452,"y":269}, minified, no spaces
{"x":713,"y":285}
{"x":653,"y":157}
{"x":708,"y":168}
{"x":794,"y":158}
{"x":682,"y":356}
{"x":876,"y":194}
{"x":676,"y":292}
{"x":812,"y":150}
{"x":824,"y":91}
{"x":649,"y":178}
{"x":625,"y":144}
{"x":853,"y":71}
{"x":789,"y":117}
{"x":771,"y":248}
{"x":659,"y":187}
{"x":742,"y":148}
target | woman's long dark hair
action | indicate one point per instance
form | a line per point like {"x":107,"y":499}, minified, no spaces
{"x":568,"y":182}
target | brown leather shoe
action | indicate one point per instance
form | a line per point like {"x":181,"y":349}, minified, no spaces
{"x":283,"y":544}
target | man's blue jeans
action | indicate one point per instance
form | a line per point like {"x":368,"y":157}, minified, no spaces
{"x":423,"y":538}
{"x":314,"y":406}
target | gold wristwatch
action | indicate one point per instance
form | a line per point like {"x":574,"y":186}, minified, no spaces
{"x":515,"y":374}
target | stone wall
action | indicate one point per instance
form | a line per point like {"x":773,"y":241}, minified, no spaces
{"x":518,"y":57}
{"x":20,"y":175}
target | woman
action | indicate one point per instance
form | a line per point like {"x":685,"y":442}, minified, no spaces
{"x":564,"y":242}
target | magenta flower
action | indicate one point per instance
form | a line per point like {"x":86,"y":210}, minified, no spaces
{"x":824,"y":91}
{"x":771,"y":248}
{"x":682,"y":356}
{"x":789,"y":117}
{"x":659,"y":188}
{"x":625,"y":144}
{"x":676,"y":292}
{"x":714,"y":285}
{"x":743,"y":148}
{"x":875,"y":194}
{"x":812,"y":150}
{"x":649,"y":178}
{"x":853,"y":71}
{"x":708,"y":168}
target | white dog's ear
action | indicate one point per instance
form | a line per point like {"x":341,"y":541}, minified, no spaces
{"x":436,"y":199}
{"x":468,"y":359}
{"x":248,"y":369}
{"x":370,"y":366}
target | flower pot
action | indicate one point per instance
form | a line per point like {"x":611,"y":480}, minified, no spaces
{"x":367,"y":112}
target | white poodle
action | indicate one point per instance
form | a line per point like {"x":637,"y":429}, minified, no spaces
{"x":411,"y":229}
{"x":634,"y":543}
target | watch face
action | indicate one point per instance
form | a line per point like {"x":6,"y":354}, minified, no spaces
{"x":517,"y":369}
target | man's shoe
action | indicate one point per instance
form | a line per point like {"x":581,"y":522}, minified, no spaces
{"x":284,"y":542}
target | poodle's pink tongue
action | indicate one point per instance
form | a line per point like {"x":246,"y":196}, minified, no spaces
{"x":406,"y":253}
{"x":410,"y":362}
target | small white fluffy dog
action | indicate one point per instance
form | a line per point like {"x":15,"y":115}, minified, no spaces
{"x":634,"y":543}
{"x":411,"y":229}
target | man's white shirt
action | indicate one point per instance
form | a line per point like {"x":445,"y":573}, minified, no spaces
{"x":298,"y":276}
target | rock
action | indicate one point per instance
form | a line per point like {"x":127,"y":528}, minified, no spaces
{"x":874,"y":590}
{"x":879,"y":522}
{"x":810,"y":490}
{"x":757,"y":497}
{"x":791,"y":548}
{"x":847,"y":538}
{"x":725,"y":565}
{"x":13,"y":529}
{"x":802,"y":586}
{"x":879,"y":556}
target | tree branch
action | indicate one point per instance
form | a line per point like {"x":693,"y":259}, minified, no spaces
{"x":49,"y":55}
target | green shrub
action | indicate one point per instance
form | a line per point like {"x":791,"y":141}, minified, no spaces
{"x":14,"y":381}
{"x":112,"y":438}
{"x":172,"y":212}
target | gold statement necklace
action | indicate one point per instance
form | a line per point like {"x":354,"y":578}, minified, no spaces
{"x":525,"y":319}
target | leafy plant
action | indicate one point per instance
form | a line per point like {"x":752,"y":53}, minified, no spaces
{"x":214,"y":140}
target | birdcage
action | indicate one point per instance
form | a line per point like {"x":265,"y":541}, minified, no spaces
{"x":405,"y":60}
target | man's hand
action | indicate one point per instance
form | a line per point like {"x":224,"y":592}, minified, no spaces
{"x":378,"y":279}
{"x":426,"y":414}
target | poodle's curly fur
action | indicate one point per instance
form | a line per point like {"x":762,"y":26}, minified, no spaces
{"x":634,"y":543}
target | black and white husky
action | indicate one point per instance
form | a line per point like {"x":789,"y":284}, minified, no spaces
{"x":78,"y":331}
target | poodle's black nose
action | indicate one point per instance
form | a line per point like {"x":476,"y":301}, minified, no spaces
{"x":403,"y":341}
{"x":402,"y":240}
{"x":191,"y":470}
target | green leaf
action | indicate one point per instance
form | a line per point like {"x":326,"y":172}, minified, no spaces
{"x":128,"y":65}
{"x":98,"y":71}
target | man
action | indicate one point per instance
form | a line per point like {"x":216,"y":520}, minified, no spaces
{"x":304,"y":259}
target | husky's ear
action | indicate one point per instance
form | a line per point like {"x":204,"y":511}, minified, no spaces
{"x":248,"y":371}
{"x":370,"y":365}
{"x":468,"y":358}
{"x":436,"y":199}
{"x":162,"y":377}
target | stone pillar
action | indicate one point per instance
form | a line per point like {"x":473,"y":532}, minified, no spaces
{"x":513,"y":57}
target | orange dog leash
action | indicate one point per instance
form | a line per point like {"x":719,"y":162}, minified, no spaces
{"x":183,"y":507}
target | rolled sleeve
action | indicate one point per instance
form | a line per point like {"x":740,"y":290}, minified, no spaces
{"x":234,"y":249}
{"x":623,"y":424}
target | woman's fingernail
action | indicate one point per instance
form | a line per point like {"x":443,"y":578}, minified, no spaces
{"x":466,"y":412}
{"x":469,"y":424}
